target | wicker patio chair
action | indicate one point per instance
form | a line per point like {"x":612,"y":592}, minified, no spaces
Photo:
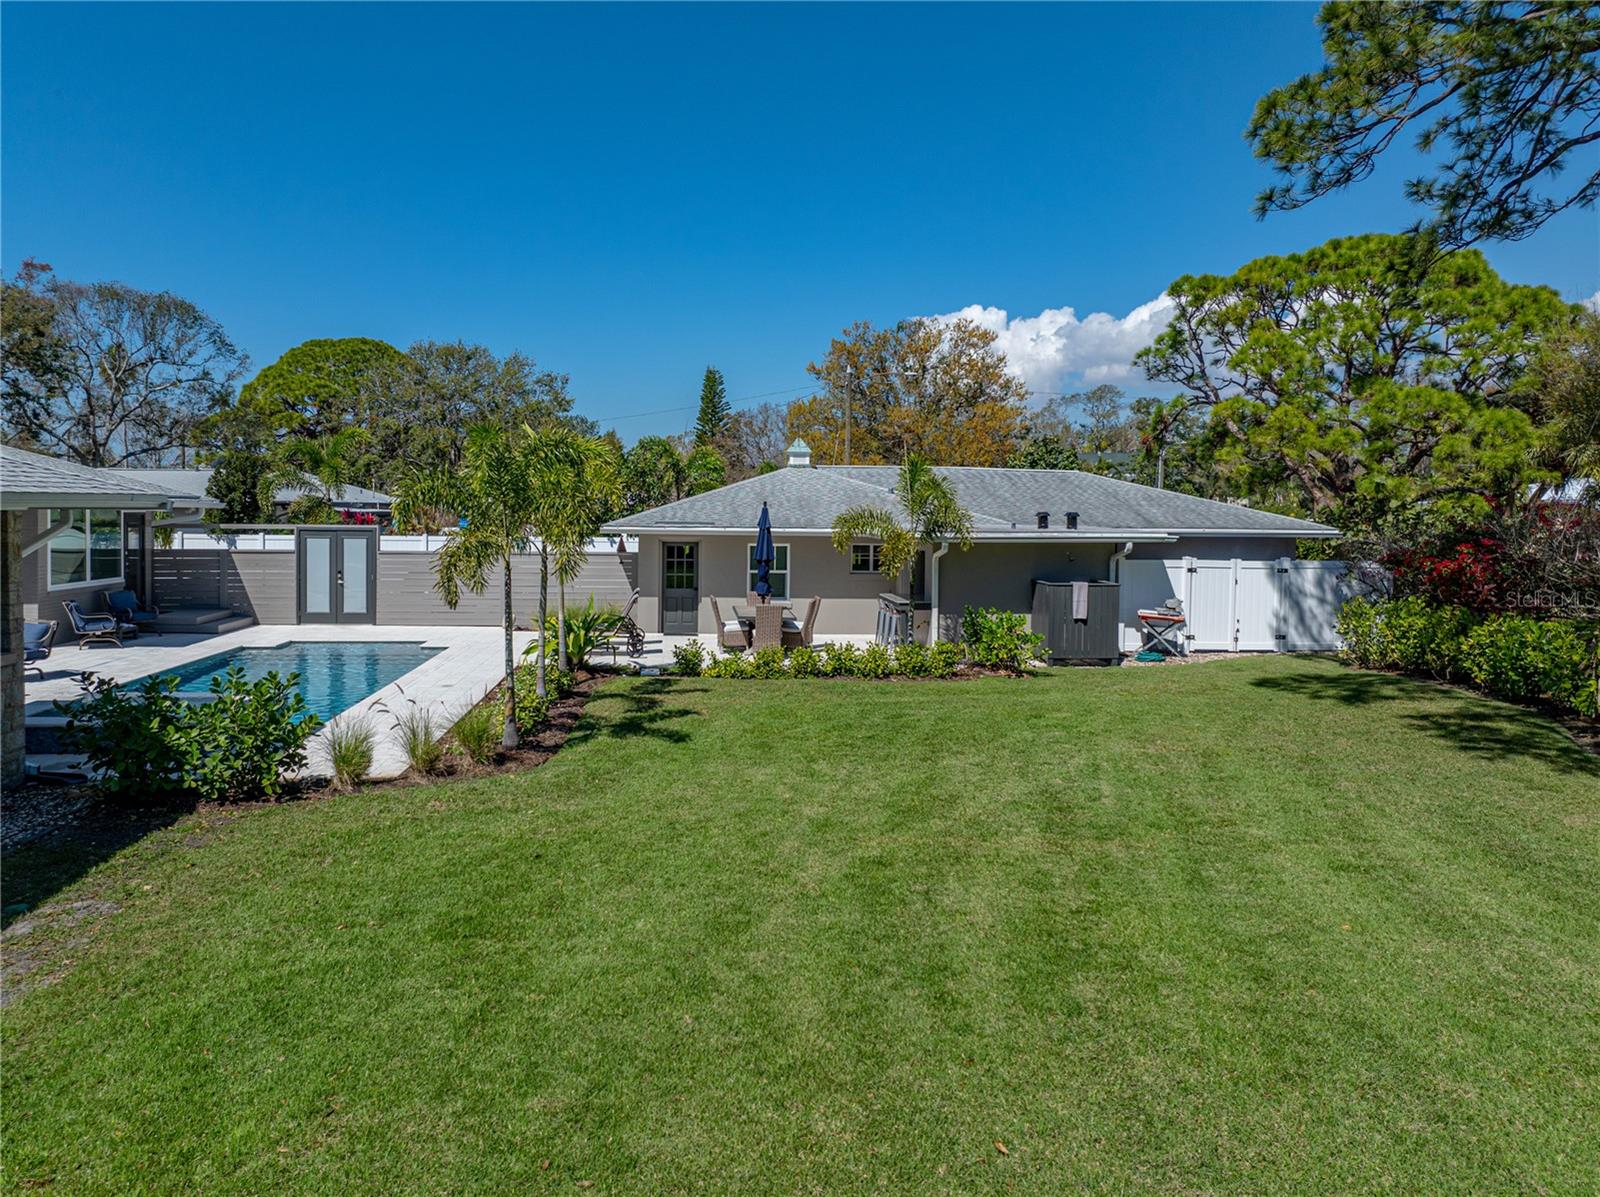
{"x":731,"y":633}
{"x":799,"y":632}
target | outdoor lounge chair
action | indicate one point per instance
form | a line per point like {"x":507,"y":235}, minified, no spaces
{"x":628,"y":632}
{"x":37,"y":640}
{"x":124,"y":604}
{"x":731,"y":633}
{"x":799,"y":632}
{"x":89,"y":628}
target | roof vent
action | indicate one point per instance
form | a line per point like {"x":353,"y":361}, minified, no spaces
{"x":1072,"y":521}
{"x":799,"y":453}
{"x":1044,"y":519}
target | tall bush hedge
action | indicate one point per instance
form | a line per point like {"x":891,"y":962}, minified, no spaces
{"x":1514,"y":657}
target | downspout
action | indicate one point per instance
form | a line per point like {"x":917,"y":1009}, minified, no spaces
{"x":933,"y":591}
{"x":1115,"y":570}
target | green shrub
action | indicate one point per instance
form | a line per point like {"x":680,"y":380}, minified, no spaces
{"x":999,"y":639}
{"x":531,"y":709}
{"x":839,"y":659}
{"x":1532,"y":660}
{"x":478,"y":731}
{"x":944,"y":658}
{"x":139,"y":742}
{"x":805,"y":661}
{"x":689,"y":658}
{"x":1511,"y":656}
{"x":874,"y":662}
{"x":348,"y":745}
{"x":734,"y":665}
{"x":250,"y":734}
{"x":911,"y":659}
{"x":150,"y":743}
{"x":767,"y":663}
{"x":1406,"y":634}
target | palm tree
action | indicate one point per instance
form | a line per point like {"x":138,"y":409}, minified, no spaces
{"x":929,"y":512}
{"x":495,"y":492}
{"x":578,"y":485}
{"x":318,"y":466}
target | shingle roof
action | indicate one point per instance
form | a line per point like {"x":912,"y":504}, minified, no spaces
{"x":34,"y":480}
{"x":1001,"y":501}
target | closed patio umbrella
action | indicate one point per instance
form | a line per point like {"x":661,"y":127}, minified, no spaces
{"x":764,"y":555}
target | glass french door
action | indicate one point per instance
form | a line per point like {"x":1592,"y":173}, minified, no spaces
{"x":338,"y":575}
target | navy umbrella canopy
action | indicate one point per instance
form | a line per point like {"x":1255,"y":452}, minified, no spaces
{"x":764,"y":555}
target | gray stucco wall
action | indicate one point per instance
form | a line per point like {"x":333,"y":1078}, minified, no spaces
{"x":1002,"y":575}
{"x":849,"y":600}
{"x":986,"y":575}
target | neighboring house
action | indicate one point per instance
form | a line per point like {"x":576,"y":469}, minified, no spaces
{"x":352,"y":501}
{"x":1050,"y":525}
{"x":68,"y":532}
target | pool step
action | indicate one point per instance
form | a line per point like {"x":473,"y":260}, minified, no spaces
{"x":203,"y":621}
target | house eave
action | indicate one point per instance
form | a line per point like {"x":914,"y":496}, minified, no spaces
{"x":984,"y":535}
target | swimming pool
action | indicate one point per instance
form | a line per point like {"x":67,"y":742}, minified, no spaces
{"x":334,"y":675}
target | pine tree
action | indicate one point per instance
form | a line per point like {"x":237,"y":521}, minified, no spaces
{"x":714,"y":409}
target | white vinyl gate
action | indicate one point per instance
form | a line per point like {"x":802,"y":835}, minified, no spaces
{"x":1238,"y":605}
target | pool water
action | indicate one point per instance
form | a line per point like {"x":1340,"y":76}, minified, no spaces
{"x":334,"y":675}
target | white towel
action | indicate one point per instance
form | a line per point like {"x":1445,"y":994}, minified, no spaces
{"x":1080,"y":600}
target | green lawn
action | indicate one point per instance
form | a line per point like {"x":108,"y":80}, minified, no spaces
{"x":1254,"y":926}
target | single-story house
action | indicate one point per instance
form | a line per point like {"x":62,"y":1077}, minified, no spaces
{"x":349,"y":501}
{"x":66,"y":532}
{"x":1028,"y":525}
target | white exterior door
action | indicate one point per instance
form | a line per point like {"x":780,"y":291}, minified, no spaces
{"x":1310,"y":594}
{"x":1209,"y":604}
{"x":1255,"y":605}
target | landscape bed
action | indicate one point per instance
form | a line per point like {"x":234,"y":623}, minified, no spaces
{"x":1269,"y":926}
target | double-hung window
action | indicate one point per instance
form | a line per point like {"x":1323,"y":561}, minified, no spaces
{"x":88,"y":550}
{"x":777,"y":576}
{"x":864,"y":558}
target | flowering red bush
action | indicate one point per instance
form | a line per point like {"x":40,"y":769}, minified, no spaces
{"x":1469,"y":574}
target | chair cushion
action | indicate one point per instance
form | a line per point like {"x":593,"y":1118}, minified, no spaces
{"x":732,"y":625}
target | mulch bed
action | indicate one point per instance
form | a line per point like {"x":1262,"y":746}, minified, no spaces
{"x":533,"y":750}
{"x":62,"y":814}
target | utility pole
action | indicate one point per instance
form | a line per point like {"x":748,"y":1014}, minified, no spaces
{"x":849,"y":381}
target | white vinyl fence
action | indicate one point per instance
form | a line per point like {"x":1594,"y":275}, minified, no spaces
{"x":1238,"y":605}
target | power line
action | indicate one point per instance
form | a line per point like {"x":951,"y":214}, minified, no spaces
{"x":742,"y":401}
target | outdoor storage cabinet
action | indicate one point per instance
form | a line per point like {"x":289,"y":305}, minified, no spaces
{"x":1067,"y":639}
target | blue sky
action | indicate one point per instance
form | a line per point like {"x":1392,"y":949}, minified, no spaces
{"x":629,"y":193}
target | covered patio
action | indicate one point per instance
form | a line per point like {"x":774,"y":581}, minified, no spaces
{"x":40,"y":499}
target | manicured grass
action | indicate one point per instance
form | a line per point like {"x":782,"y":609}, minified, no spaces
{"x":1259,"y":926}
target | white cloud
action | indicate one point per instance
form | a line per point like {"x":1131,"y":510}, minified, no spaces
{"x":1592,"y":303}
{"x":1055,"y":349}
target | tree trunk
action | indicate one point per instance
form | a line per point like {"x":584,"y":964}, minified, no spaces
{"x":508,"y":735}
{"x":544,"y":609}
{"x":561,"y":624}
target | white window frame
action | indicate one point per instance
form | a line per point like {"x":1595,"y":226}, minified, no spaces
{"x":89,"y":576}
{"x":874,"y":556}
{"x":778,"y":550}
